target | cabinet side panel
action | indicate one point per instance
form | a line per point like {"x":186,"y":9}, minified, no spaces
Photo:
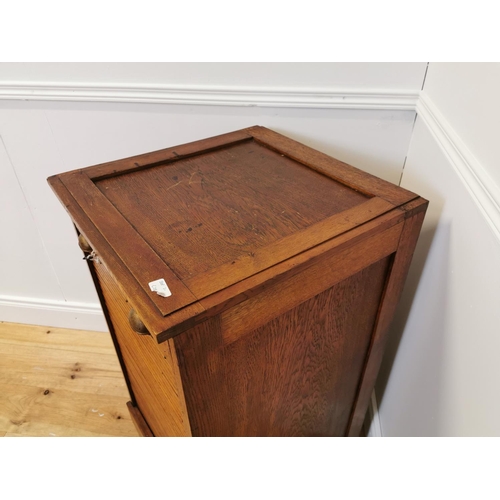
{"x":151,"y":370}
{"x":402,"y":259}
{"x":297,"y":375}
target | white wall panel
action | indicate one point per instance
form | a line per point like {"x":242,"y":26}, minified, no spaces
{"x":25,"y":269}
{"x":401,"y":76}
{"x":444,"y":377}
{"x":48,"y":137}
{"x":468,"y":96}
{"x":440,"y":375}
{"x":86,"y":134}
{"x":34,"y":153}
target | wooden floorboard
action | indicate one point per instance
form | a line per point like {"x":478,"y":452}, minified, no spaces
{"x":57,"y":382}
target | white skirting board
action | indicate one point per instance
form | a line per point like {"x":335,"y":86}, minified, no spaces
{"x":52,"y":313}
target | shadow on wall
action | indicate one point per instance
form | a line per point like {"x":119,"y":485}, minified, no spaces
{"x":410,"y":386}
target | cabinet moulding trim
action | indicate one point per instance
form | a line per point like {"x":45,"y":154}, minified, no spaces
{"x":478,"y":182}
{"x":279,"y":97}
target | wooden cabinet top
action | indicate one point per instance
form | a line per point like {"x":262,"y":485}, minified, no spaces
{"x":217,"y":217}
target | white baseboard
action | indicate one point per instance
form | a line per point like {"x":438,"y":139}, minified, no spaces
{"x":52,"y":313}
{"x":478,"y":182}
{"x":213,"y":95}
{"x":375,"y":426}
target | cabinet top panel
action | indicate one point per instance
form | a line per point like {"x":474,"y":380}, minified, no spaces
{"x":205,"y":211}
{"x":206,"y":215}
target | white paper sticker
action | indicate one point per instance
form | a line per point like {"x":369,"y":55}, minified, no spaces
{"x":160,"y":287}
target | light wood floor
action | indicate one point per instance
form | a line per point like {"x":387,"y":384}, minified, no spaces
{"x":56,"y":382}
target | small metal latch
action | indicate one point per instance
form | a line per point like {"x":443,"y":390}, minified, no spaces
{"x":93,"y":257}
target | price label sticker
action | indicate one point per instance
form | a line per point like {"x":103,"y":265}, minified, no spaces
{"x":160,"y":287}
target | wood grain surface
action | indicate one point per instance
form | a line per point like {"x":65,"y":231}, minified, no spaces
{"x":249,"y":287}
{"x":135,"y":252}
{"x":125,"y":280}
{"x":333,"y":168}
{"x":285,"y":248}
{"x":295,"y":376}
{"x":151,"y":371}
{"x":399,"y":270}
{"x":210,"y":209}
{"x":286,"y":294}
{"x":285,"y":267}
{"x":56,"y":382}
{"x":138,"y":419}
{"x":167,"y":155}
{"x":209,"y":214}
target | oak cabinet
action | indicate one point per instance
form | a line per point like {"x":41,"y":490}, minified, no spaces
{"x":248,"y":282}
